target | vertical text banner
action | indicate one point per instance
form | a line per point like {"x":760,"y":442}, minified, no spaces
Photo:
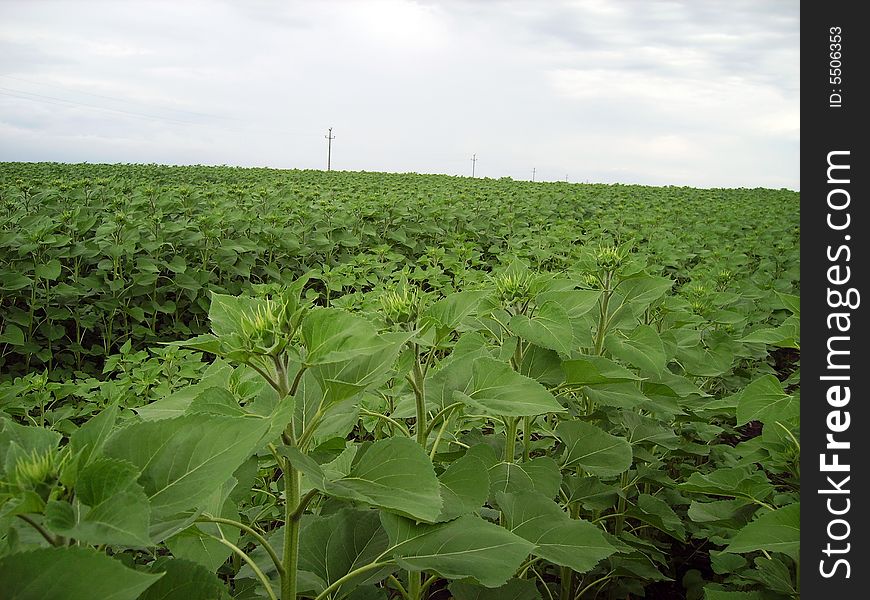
{"x":835,"y":226}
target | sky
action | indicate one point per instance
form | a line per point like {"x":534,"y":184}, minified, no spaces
{"x":698,"y":93}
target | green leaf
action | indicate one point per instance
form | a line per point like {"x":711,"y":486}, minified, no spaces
{"x":595,"y":370}
{"x":185,"y":459}
{"x":448,"y":313}
{"x":111,"y":507}
{"x":644,"y":290}
{"x":558,"y":538}
{"x":576,"y":303}
{"x":70,"y":574}
{"x":394,"y":474}
{"x":593,"y":449}
{"x":497,"y":389}
{"x":641,"y":348}
{"x":333,"y":546}
{"x":734,"y":482}
{"x":774,"y":575}
{"x":195,"y":545}
{"x":341,"y":380}
{"x":514,"y":589}
{"x":12,"y":334}
{"x":334,"y":335}
{"x":791,"y":303}
{"x":184,"y":580}
{"x":464,"y":487}
{"x":540,"y":475}
{"x":764,"y":400}
{"x":14,"y":281}
{"x":465,"y":547}
{"x":549,"y":327}
{"x":774,"y":531}
{"x":659,"y":514}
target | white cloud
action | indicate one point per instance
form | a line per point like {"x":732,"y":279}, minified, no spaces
{"x":639,"y":91}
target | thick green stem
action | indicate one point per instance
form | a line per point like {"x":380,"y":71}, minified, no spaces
{"x":510,"y":442}
{"x":291,"y":532}
{"x":602,"y":319}
{"x":567,"y":575}
{"x":415,"y":585}
{"x":527,"y":438}
{"x":620,"y":506}
{"x":420,"y":399}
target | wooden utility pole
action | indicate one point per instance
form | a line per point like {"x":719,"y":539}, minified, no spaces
{"x":473,"y":161}
{"x":329,"y":137}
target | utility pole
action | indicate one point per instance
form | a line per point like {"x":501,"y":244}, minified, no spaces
{"x":534,"y":170}
{"x":566,"y":178}
{"x":329,"y":139}
{"x":473,"y":161}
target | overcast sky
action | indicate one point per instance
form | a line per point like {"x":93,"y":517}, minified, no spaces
{"x":700,"y":92}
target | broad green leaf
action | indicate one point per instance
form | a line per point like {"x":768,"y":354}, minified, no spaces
{"x":497,"y":389}
{"x":593,"y":449}
{"x":49,"y":271}
{"x":334,"y":335}
{"x":774,"y":575}
{"x":734,"y":482}
{"x":465,"y":547}
{"x":449,"y":312}
{"x":718,"y":510}
{"x":764,"y":400}
{"x":110,"y":506}
{"x":595,"y":370}
{"x":464,"y":487}
{"x":576,"y":303}
{"x":215,"y":401}
{"x":558,"y":538}
{"x":643,"y":290}
{"x":774,"y":531}
{"x":86,"y":444}
{"x":514,"y":589}
{"x":14,"y":281}
{"x":185,"y":459}
{"x":542,"y":365}
{"x":70,"y":573}
{"x":620,"y":395}
{"x":340,"y":380}
{"x":548,"y":327}
{"x":791,"y":302}
{"x":394,"y":474}
{"x":12,"y":334}
{"x":590,"y":492}
{"x":657,"y":512}
{"x":641,"y":348}
{"x":184,"y":580}
{"x":334,"y":545}
{"x":725,"y":562}
{"x":786,"y":335}
{"x":195,"y":545}
{"x":540,"y":475}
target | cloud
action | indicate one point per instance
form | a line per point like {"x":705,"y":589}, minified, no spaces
{"x":636,"y":91}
